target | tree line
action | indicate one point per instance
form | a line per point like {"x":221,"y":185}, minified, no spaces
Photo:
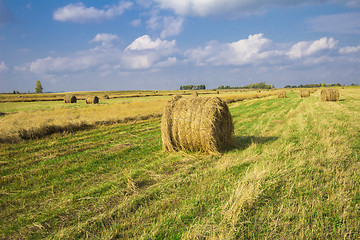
{"x":193,"y":87}
{"x":313,"y":85}
{"x":262,"y":85}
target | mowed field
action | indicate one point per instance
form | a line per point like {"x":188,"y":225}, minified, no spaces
{"x":292,"y":174}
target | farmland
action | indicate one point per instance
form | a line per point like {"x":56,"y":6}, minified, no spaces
{"x":293,"y":172}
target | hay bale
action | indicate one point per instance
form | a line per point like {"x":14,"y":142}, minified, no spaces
{"x":196,"y":94}
{"x":92,"y":100}
{"x":330,"y":95}
{"x":304,"y":93}
{"x":70,"y":99}
{"x":106,"y":97}
{"x":282,"y":94}
{"x":197,"y":124}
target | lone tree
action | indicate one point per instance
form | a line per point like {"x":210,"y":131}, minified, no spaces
{"x":38,"y":87}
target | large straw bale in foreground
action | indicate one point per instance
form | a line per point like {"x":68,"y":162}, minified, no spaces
{"x":92,"y":100}
{"x":70,"y":99}
{"x":305,"y":93}
{"x":282,"y":94}
{"x":330,"y":95}
{"x":197,"y":124}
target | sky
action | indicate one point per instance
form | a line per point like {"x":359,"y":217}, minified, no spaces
{"x":111,"y":45}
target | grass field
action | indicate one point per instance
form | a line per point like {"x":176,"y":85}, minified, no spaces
{"x":294,"y":174}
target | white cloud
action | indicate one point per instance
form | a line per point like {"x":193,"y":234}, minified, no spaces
{"x":346,"y":50}
{"x":231,"y":8}
{"x":3,"y":66}
{"x":172,"y":26}
{"x":145,"y":53}
{"x":105,"y":38}
{"x":257,"y":50}
{"x":307,"y":48}
{"x":78,"y":12}
{"x":135,"y":23}
{"x":87,"y":60}
{"x":145,"y":43}
{"x":251,"y":50}
{"x":142,"y":53}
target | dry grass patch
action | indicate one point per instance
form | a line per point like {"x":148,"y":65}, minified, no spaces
{"x":25,"y":125}
{"x":282,"y":94}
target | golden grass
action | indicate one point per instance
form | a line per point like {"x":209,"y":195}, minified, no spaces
{"x":281,"y":94}
{"x":12,"y":125}
{"x":25,"y":123}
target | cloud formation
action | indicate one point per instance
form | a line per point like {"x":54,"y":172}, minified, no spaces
{"x":142,"y":53}
{"x":347,"y":50}
{"x":105,"y":39}
{"x":3,"y":66}
{"x":170,"y":26}
{"x":307,"y":48}
{"x":146,"y":53}
{"x":146,"y":43}
{"x":78,"y":12}
{"x":232,"y":8}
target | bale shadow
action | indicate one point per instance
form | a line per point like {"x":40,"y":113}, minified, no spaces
{"x":243,"y":142}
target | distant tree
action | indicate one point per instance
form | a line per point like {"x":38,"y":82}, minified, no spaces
{"x":14,"y":92}
{"x":38,"y":87}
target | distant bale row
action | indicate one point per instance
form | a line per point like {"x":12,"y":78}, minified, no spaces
{"x":282,"y":94}
{"x":92,"y":100}
{"x":89,"y":99}
{"x":330,"y":95}
{"x":197,"y":124}
{"x":304,"y":93}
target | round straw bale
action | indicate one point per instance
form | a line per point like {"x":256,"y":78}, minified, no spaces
{"x":92,"y":100}
{"x":305,"y":93}
{"x":282,"y":94}
{"x":70,"y":99}
{"x":197,"y":124}
{"x":330,"y":95}
{"x":196,"y":94}
{"x":106,"y":97}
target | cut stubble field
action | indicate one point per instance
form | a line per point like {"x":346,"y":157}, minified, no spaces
{"x":293,"y":174}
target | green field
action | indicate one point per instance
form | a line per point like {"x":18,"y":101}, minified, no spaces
{"x":293,"y":174}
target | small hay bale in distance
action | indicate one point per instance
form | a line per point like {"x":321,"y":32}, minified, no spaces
{"x":330,"y":95}
{"x":282,"y":94}
{"x":106,"y":97}
{"x":195,"y":94}
{"x":92,"y":100}
{"x":304,"y":93}
{"x":70,"y":99}
{"x":197,"y":124}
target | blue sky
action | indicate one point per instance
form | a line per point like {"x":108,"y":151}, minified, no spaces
{"x":162,"y":44}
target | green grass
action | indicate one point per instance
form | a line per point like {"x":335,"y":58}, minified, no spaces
{"x":293,"y":175}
